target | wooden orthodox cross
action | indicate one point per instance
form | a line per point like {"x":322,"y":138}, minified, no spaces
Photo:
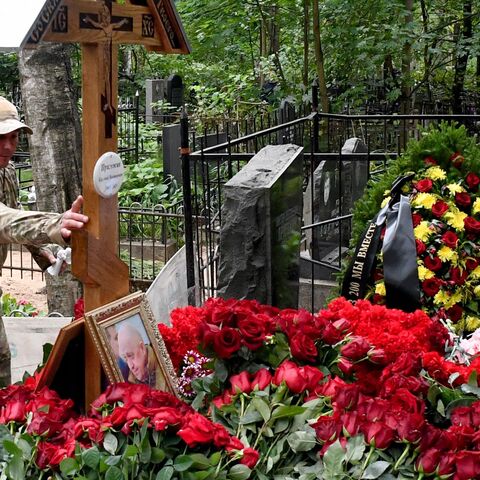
{"x":99,"y":26}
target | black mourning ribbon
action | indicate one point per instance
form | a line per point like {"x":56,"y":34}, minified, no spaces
{"x":399,"y":254}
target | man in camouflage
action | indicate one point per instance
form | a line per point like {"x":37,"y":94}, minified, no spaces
{"x":34,"y":229}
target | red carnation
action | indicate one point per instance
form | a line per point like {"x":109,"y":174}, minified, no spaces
{"x":432,"y":263}
{"x":457,"y":159}
{"x":424,"y":185}
{"x":439,"y":208}
{"x":472,"y":181}
{"x":462,"y":199}
{"x":431,"y":286}
{"x":471,"y":264}
{"x":450,"y":239}
{"x":472,"y":225}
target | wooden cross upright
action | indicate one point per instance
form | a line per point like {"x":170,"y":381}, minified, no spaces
{"x":99,"y":26}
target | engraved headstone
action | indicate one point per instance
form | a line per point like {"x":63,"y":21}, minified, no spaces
{"x":334,"y":194}
{"x":175,"y":90}
{"x":260,"y":237}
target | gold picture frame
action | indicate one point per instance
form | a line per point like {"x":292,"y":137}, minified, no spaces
{"x":129,"y":344}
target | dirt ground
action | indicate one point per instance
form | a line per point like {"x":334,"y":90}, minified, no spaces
{"x":22,"y":286}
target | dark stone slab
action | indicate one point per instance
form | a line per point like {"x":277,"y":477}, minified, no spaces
{"x":260,"y":236}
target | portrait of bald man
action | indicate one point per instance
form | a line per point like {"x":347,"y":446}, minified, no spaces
{"x":143,"y":365}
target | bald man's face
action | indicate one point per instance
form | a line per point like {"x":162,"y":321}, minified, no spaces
{"x":133,"y":351}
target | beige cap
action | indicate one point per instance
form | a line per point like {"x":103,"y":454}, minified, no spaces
{"x":9,"y":120}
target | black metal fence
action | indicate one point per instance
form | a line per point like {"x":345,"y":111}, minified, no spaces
{"x":207,"y":169}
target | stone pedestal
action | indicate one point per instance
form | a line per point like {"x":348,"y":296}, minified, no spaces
{"x":261,"y":231}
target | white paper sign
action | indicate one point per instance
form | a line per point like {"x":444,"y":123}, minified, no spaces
{"x":108,"y":174}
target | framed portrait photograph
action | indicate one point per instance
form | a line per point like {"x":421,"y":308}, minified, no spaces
{"x":129,"y":344}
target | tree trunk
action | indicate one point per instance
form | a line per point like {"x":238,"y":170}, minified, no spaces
{"x":462,"y":58}
{"x":406,"y":63}
{"x":306,"y":43}
{"x":322,"y":83}
{"x":55,"y":146}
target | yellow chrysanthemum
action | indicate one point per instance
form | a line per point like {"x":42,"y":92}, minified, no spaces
{"x":441,"y":298}
{"x":455,"y":219}
{"x":424,"y":273}
{"x":380,"y":289}
{"x":475,"y":273}
{"x":436,"y":173}
{"x":476,"y":291}
{"x":472,"y":323}
{"x":422,"y":231}
{"x":455,"y":188}
{"x":424,"y":200}
{"x":457,"y":297}
{"x":385,"y":201}
{"x":476,"y":206}
{"x":446,"y":254}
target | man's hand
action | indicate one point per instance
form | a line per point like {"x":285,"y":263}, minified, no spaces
{"x":72,"y":219}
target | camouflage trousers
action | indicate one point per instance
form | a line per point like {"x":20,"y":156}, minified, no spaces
{"x":5,"y":368}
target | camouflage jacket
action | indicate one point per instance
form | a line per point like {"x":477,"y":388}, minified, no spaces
{"x":25,"y":227}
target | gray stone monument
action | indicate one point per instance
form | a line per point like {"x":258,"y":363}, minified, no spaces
{"x":334,"y":195}
{"x":155,"y":91}
{"x":260,"y":237}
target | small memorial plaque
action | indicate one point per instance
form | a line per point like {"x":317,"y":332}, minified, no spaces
{"x":108,"y":174}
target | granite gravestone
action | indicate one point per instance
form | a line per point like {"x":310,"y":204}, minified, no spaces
{"x":334,"y":194}
{"x":155,"y":92}
{"x":171,"y":151}
{"x":260,"y":238}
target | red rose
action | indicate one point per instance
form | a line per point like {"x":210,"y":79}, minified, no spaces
{"x":429,"y":160}
{"x":303,"y":348}
{"x":345,"y":366}
{"x":227,"y":342}
{"x":351,"y":423}
{"x":427,"y":462}
{"x":328,"y":428}
{"x":446,"y":465}
{"x":356,"y":349}
{"x":457,"y":159}
{"x":224,"y":399}
{"x":207,"y":333}
{"x":472,"y":225}
{"x":458,"y":276}
{"x":166,"y":416}
{"x":439,"y":208}
{"x":462,"y":416}
{"x":455,"y":313}
{"x":331,"y":335}
{"x":471,"y":264}
{"x":468,"y":465}
{"x":79,"y":308}
{"x":462,"y":199}
{"x":378,"y":434}
{"x":291,"y":374}
{"x":432,"y":263}
{"x":250,"y":457}
{"x":377,"y":356}
{"x":409,"y":426}
{"x":253,"y":332}
{"x":196,"y":429}
{"x":347,"y":398}
{"x":221,"y":437}
{"x":416,"y":219}
{"x":424,"y":185}
{"x":312,"y":375}
{"x":261,"y":379}
{"x":421,"y":247}
{"x":450,"y":239}
{"x":241,"y":383}
{"x":14,"y":412}
{"x":431,"y":286}
{"x":472,"y":181}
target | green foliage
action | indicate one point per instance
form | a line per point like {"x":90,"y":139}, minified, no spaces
{"x":11,"y":307}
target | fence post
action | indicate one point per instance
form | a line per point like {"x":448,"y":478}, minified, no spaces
{"x":316,"y":126}
{"x":137,"y":121}
{"x":187,"y":206}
